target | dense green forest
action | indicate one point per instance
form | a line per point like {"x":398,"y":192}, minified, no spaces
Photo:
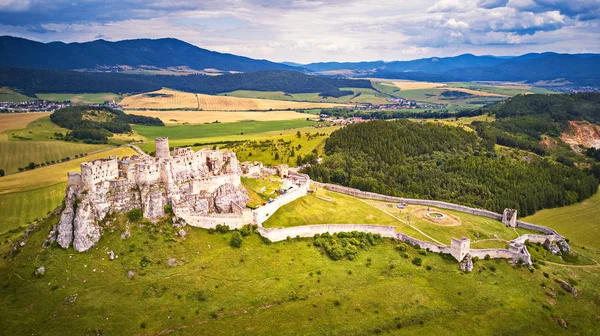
{"x":96,"y":124}
{"x":408,"y":159}
{"x":32,"y":81}
{"x":402,"y":114}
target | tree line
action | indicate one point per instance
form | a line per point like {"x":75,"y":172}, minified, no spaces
{"x":446,"y":163}
{"x":95,"y":124}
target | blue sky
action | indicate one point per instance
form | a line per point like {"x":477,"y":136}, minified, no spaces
{"x":311,"y":31}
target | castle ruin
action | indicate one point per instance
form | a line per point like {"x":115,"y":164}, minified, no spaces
{"x":202,"y":183}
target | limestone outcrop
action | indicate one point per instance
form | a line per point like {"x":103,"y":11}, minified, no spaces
{"x":466,"y":265}
{"x":192,"y":183}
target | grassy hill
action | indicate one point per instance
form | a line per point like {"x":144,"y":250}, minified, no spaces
{"x":221,"y":290}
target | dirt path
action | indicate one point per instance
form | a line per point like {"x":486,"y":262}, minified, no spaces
{"x":403,"y":222}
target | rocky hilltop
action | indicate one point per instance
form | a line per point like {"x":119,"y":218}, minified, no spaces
{"x":201,"y":183}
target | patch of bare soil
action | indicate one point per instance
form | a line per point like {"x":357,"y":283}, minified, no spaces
{"x":582,"y":133}
{"x":548,"y":142}
{"x":448,"y":220}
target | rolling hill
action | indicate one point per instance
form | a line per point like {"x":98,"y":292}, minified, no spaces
{"x":161,"y":53}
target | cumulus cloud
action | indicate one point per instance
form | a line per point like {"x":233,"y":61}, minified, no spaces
{"x":317,"y":30}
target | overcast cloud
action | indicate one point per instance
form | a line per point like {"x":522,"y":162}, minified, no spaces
{"x":312,"y":30}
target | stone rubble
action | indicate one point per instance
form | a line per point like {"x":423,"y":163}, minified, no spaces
{"x":466,"y":265}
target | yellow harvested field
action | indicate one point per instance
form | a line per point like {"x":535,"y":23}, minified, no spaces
{"x":223,"y":103}
{"x":475,"y":92}
{"x":412,"y":85}
{"x":171,"y":99}
{"x":201,"y":117}
{"x":161,"y":99}
{"x":50,"y":175}
{"x":11,"y":121}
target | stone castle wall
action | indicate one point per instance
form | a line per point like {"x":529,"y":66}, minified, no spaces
{"x":307,"y":231}
{"x":263,"y":213}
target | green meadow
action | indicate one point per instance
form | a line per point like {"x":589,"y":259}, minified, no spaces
{"x":579,"y":222}
{"x":80,"y":98}
{"x":218,"y":129}
{"x":285,"y":288}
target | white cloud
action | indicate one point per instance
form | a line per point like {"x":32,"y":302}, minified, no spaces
{"x":306,"y":31}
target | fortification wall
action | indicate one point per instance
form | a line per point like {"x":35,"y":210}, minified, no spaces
{"x":538,"y":228}
{"x":234,"y":221}
{"x":211,"y":183}
{"x":279,"y":234}
{"x":493,"y":253}
{"x":438,"y":204}
{"x":536,"y":238}
{"x":263,"y":213}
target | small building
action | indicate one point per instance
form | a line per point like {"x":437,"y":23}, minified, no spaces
{"x":282,"y":170}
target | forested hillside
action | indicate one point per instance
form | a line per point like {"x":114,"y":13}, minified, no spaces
{"x":96,"y":124}
{"x":408,"y":159}
{"x":32,"y":81}
{"x":162,"y":53}
{"x":523,"y":119}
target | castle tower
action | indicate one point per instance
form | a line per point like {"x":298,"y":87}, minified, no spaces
{"x":162,"y":148}
{"x":460,"y":248}
{"x":509,"y":217}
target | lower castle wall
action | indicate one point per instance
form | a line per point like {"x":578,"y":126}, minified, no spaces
{"x":279,"y":234}
{"x":234,"y":221}
{"x":263,"y":213}
{"x":493,"y":253}
{"x":536,"y":238}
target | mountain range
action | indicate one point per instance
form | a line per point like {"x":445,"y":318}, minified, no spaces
{"x":161,"y":53}
{"x":100,"y":55}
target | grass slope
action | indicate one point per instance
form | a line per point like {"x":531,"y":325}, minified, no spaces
{"x":20,"y":208}
{"x":201,"y":117}
{"x":20,"y":153}
{"x":11,"y":121}
{"x":53,"y":174}
{"x":8,"y":95}
{"x":80,"y":98}
{"x":215,"y":130}
{"x":280,"y":288}
{"x":578,"y":222}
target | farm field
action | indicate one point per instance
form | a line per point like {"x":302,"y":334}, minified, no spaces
{"x":245,"y":144}
{"x":8,"y":95}
{"x":220,"y":290}
{"x":171,"y":99}
{"x":578,"y":222}
{"x":37,"y":130}
{"x":11,"y":121}
{"x":80,"y":98}
{"x":35,"y":143}
{"x":220,"y":129}
{"x":201,"y":117}
{"x":53,"y":174}
{"x":17,"y":154}
{"x":361,"y":95}
{"x":161,"y":99}
{"x":20,"y":208}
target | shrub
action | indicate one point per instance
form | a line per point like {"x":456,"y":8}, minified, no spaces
{"x":135,"y":215}
{"x":487,"y":257}
{"x":428,"y":267}
{"x":236,"y":239}
{"x":168,"y":210}
{"x":417,"y":261}
{"x":143,"y":325}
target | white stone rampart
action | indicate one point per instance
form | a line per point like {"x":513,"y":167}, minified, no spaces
{"x":234,"y":221}
{"x":306,"y":231}
{"x":533,"y":238}
{"x":263,"y":213}
{"x":493,"y":253}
